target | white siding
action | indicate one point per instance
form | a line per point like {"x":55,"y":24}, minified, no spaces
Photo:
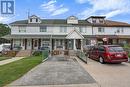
{"x":111,"y":31}
{"x":87,"y":30}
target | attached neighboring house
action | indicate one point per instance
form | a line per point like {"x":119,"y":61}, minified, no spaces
{"x":69,"y":33}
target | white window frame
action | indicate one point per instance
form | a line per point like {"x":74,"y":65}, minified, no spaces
{"x":22,"y":29}
{"x":63,"y":29}
{"x":43,"y":28}
{"x":101,"y":29}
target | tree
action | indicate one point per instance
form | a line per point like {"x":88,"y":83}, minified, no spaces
{"x":4,"y":30}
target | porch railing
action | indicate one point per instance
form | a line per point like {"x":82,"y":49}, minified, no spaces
{"x":82,"y":56}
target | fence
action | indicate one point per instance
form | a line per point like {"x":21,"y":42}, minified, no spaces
{"x":82,"y":56}
{"x":45,"y":53}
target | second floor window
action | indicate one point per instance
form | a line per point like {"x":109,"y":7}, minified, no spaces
{"x":120,"y":30}
{"x":31,"y":20}
{"x":94,"y":20}
{"x":100,"y":21}
{"x":63,"y":29}
{"x":81,"y":29}
{"x":36,"y":20}
{"x":101,"y":30}
{"x":43,"y":29}
{"x":22,"y":29}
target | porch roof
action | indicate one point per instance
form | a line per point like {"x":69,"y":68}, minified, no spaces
{"x":74,"y":35}
{"x":61,"y":36}
{"x":34,"y":36}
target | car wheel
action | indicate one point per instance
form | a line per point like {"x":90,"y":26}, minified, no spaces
{"x":101,"y":60}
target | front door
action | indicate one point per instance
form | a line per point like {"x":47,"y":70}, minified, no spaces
{"x":70,"y":44}
{"x":78,"y":44}
{"x":35,"y":44}
{"x":29,"y":44}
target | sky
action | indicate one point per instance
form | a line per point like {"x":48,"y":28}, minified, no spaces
{"x":118,"y":10}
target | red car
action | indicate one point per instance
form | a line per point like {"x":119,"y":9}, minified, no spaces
{"x":108,"y":53}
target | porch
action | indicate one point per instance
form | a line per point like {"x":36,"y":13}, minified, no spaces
{"x":53,"y":44}
{"x":72,"y":41}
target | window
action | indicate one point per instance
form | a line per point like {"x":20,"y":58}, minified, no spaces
{"x":35,"y":43}
{"x":43,"y":29}
{"x":63,"y":29}
{"x":17,"y":43}
{"x":116,"y":49}
{"x":22,"y":29}
{"x":81,"y":29}
{"x":101,"y":21}
{"x":120,"y":30}
{"x":94,"y":21}
{"x":45,"y":42}
{"x":36,"y":20}
{"x":31,"y":20}
{"x":101,"y":49}
{"x":101,"y":29}
{"x":85,"y":29}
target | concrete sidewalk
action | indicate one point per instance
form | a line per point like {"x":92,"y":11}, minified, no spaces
{"x":56,"y":72}
{"x":3,"y":62}
{"x":71,"y":85}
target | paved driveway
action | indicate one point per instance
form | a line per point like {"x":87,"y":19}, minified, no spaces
{"x":56,"y":71}
{"x":109,"y":75}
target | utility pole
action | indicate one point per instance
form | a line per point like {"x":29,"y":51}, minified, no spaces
{"x":28,"y":13}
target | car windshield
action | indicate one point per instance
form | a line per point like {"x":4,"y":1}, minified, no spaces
{"x":115,"y":49}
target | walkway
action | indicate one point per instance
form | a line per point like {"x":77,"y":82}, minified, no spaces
{"x":57,"y":72}
{"x":3,"y":62}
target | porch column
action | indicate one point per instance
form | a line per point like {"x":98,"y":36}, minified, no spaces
{"x":39,"y":43}
{"x":51,"y":44}
{"x":32,"y":44}
{"x":81,"y":44}
{"x":74,"y":44}
{"x":55,"y":44}
{"x":25,"y":44}
{"x":11,"y":48}
{"x":63,"y":44}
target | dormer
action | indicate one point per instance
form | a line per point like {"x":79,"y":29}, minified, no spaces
{"x":72,"y":20}
{"x":96,"y":19}
{"x":34,"y":19}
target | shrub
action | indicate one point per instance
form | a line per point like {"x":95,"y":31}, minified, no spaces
{"x":37,"y":53}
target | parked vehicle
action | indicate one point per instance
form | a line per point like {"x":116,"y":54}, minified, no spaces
{"x":4,"y":47}
{"x":44,"y":48}
{"x":109,"y":53}
{"x":87,"y":48}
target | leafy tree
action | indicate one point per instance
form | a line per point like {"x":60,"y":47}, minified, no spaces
{"x":4,"y":30}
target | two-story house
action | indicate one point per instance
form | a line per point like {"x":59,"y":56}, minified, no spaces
{"x":70,"y":33}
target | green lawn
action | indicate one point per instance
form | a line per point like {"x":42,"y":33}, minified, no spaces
{"x":15,"y":70}
{"x":4,"y":58}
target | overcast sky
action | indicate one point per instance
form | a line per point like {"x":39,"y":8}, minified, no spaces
{"x":118,"y":10}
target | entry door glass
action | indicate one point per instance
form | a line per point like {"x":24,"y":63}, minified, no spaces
{"x":28,"y":44}
{"x":70,"y":44}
